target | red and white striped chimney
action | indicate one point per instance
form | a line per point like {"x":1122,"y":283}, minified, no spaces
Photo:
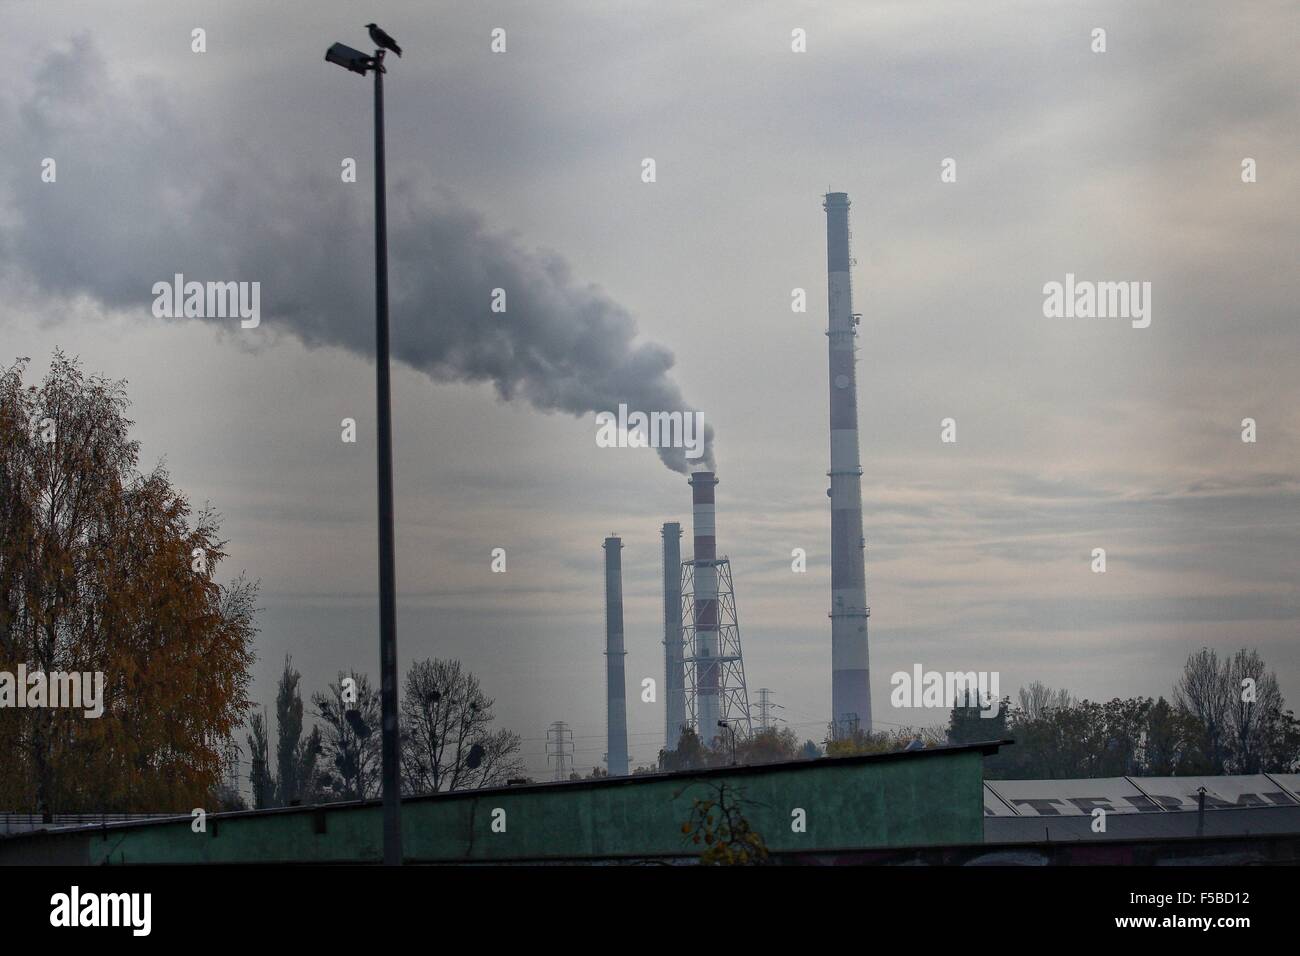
{"x":850,"y":668}
{"x":707,"y":702}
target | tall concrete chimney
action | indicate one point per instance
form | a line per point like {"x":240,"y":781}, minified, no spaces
{"x":707,"y":702}
{"x":850,"y":670}
{"x":615,"y":689}
{"x":674,"y":670}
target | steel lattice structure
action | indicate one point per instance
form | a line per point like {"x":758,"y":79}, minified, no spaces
{"x":559,"y":746}
{"x":725,"y":660}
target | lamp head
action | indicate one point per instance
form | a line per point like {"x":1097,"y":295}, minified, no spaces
{"x":348,"y":58}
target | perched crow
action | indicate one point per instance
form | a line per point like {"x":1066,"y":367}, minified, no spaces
{"x":382,"y":39}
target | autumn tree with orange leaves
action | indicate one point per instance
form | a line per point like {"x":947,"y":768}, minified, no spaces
{"x":104,"y":569}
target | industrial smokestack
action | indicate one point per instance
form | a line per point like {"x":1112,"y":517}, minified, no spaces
{"x":707,"y":703}
{"x":674,"y":671}
{"x":615,"y":690}
{"x":850,"y":671}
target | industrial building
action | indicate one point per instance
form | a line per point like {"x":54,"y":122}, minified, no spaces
{"x":1125,"y":808}
{"x":890,"y":802}
{"x":904,"y":808}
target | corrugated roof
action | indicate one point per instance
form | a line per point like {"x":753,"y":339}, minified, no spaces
{"x":1137,"y":795}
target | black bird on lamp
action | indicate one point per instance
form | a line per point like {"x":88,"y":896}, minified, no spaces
{"x":382,"y":39}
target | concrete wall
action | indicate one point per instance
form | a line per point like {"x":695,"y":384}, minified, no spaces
{"x":926,"y":798}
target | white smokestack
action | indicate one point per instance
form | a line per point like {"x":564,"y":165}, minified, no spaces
{"x":674,"y":670}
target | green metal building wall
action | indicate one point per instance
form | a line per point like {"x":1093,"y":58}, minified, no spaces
{"x":923,"y":798}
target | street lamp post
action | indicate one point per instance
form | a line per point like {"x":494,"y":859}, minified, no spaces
{"x":732,"y":730}
{"x":358,"y":62}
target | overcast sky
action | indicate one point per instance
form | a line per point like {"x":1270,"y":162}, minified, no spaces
{"x":523,"y":170}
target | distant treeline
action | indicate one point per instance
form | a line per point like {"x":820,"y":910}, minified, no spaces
{"x":1226,"y":717}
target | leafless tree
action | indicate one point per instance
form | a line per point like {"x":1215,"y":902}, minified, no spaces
{"x":1038,"y":699}
{"x":1205,"y":692}
{"x":447,"y":740}
{"x":351,"y":737}
{"x":260,"y":771}
{"x":1256,"y":705}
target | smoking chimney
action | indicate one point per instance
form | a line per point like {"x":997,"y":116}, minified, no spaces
{"x":850,"y":671}
{"x":615,"y":691}
{"x":707,"y":703}
{"x":674,"y":670}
